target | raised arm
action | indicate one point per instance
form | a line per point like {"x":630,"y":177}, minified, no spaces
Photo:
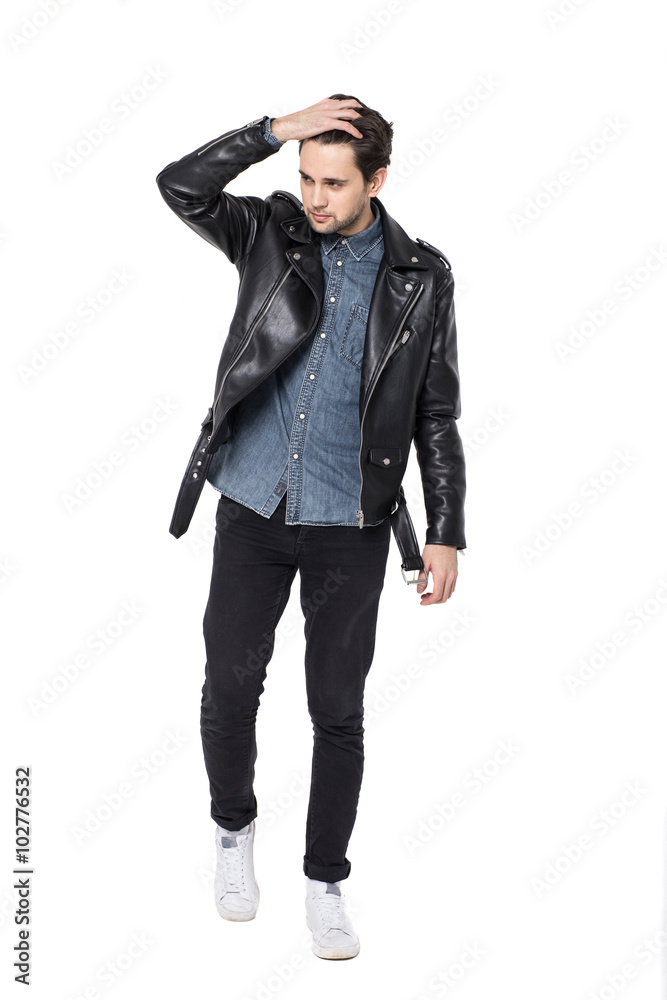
{"x":193,"y":188}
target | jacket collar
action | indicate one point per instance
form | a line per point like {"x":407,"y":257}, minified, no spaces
{"x":399,"y":249}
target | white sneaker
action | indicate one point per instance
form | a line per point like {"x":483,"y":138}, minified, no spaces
{"x":236,"y":892}
{"x":328,"y":919}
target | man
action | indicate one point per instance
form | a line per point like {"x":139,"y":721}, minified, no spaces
{"x":341,"y":352}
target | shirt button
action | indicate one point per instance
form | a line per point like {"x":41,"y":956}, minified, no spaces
{"x":295,"y":455}
{"x":332,"y":298}
{"x":343,"y":241}
{"x":415,"y":260}
{"x":409,"y":287}
{"x":339,"y":262}
{"x":301,"y":416}
{"x":297,"y":256}
{"x":311,"y":376}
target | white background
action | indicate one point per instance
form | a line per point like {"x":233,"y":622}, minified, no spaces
{"x":520,"y":95}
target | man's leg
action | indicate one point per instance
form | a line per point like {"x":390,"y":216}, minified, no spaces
{"x":252,"y":573}
{"x":342,"y":575}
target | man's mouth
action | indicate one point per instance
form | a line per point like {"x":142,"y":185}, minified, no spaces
{"x":320,"y":218}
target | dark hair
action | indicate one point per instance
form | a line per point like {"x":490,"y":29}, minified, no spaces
{"x":370,"y":152}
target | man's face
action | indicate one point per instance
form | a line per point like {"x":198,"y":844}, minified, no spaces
{"x":335,"y":197}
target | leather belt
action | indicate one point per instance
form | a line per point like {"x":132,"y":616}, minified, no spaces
{"x":406,"y":539}
{"x":193,"y":480}
{"x":195,"y":477}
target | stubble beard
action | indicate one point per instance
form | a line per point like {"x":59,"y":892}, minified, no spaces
{"x":335,"y":225}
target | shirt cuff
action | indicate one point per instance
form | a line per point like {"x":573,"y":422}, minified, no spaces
{"x":269,"y":136}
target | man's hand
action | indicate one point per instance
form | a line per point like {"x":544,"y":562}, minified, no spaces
{"x":321,"y":117}
{"x":441,"y":561}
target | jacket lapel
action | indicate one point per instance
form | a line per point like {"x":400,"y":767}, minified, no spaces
{"x":307,"y":261}
{"x":397,"y":287}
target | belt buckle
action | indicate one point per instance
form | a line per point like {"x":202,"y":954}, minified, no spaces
{"x":416,"y":579}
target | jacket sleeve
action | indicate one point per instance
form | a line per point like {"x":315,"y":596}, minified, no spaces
{"x":437,"y":440}
{"x":193,"y":189}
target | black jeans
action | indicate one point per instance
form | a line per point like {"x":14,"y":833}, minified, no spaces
{"x":341,"y":569}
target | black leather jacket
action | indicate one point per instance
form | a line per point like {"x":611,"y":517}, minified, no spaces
{"x":409,"y":377}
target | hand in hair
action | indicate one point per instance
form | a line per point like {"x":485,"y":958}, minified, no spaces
{"x":327,"y":114}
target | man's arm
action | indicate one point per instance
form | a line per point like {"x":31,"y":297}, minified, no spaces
{"x":193,"y":188}
{"x":440,"y":452}
{"x":437,"y":440}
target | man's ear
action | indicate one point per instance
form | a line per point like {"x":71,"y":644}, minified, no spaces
{"x":377,"y":180}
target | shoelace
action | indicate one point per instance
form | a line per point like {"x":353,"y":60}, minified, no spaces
{"x":332,"y":909}
{"x":233,"y":862}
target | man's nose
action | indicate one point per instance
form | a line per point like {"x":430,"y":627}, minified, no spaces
{"x":319,"y":198}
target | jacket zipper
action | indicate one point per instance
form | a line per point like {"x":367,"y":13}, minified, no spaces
{"x":269,"y":299}
{"x":399,"y":343}
{"x":225,"y":136}
{"x":360,"y":513}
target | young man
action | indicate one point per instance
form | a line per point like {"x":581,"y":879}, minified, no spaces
{"x":341,"y":352}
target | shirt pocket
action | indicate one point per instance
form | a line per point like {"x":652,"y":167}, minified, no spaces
{"x":354,"y":337}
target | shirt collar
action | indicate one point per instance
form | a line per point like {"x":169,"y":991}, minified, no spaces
{"x":359,"y":243}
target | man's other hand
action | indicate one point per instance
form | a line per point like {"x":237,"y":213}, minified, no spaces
{"x":442,"y":563}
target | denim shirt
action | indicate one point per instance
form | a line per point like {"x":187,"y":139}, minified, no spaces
{"x":299,"y":430}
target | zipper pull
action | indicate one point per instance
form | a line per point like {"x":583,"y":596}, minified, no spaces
{"x":360,"y":518}
{"x":399,"y":342}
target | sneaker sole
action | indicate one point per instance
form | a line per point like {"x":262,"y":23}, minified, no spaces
{"x":335,"y":953}
{"x":236,"y":914}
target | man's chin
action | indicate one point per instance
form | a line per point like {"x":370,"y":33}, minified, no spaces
{"x":328,"y":225}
